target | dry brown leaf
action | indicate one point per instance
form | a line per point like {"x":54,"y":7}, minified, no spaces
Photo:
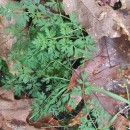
{"x":100,"y":20}
{"x":13,"y":113}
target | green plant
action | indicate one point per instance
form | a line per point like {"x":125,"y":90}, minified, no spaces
{"x":44,"y":55}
